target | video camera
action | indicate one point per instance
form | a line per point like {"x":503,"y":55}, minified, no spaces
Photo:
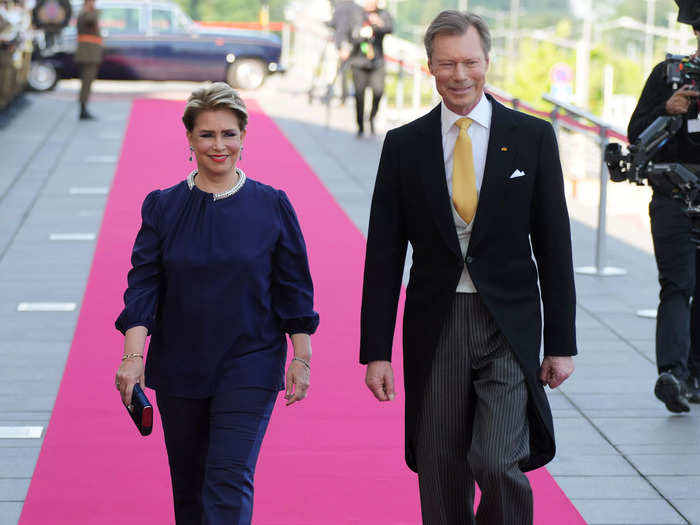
{"x":682,"y":70}
{"x":636,"y":166}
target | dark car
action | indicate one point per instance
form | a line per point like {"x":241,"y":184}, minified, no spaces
{"x":158,"y":41}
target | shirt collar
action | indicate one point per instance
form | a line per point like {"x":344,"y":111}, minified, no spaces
{"x":481,"y":114}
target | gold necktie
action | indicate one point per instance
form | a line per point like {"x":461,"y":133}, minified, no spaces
{"x":464,"y":194}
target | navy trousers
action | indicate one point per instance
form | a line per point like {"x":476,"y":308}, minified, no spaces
{"x":213,"y":447}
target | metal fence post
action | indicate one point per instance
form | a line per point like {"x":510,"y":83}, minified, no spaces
{"x":286,"y":45}
{"x":415,"y":102}
{"x":554,"y":115}
{"x":600,"y":269}
{"x":399,"y":88}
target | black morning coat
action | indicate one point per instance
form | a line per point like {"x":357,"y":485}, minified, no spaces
{"x":515,"y":218}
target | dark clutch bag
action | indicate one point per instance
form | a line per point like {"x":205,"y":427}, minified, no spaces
{"x":141,"y":411}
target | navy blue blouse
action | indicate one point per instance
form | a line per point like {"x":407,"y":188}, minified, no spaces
{"x":217,"y":283}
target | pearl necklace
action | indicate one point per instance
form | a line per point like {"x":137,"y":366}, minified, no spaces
{"x":224,"y":194}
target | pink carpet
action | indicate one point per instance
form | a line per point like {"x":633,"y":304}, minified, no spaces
{"x":335,"y":458}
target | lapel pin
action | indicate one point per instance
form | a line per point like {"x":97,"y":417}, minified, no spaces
{"x":504,"y":148}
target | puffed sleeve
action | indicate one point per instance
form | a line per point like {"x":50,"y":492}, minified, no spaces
{"x":292,"y":289}
{"x":144,"y":279}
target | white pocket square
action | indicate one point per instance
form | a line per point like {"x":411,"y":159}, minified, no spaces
{"x":517,"y":173}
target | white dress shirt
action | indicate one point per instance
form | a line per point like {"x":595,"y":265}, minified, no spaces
{"x":479,"y":135}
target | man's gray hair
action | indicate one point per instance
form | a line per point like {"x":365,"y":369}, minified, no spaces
{"x":452,"y":22}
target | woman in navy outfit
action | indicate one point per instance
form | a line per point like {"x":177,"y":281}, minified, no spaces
{"x":220,"y":275}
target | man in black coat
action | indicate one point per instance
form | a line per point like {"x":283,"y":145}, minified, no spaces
{"x":678,"y":318}
{"x":476,"y":409}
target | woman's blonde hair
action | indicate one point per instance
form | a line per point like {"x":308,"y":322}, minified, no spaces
{"x":218,"y":95}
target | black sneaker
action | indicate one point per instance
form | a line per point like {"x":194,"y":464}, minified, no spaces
{"x":693,"y":393}
{"x":671,"y":391}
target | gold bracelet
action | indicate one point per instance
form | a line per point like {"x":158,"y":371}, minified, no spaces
{"x":306,"y":363}
{"x":128,"y":356}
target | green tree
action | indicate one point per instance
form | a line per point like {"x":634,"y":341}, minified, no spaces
{"x":231,"y":10}
{"x":531,"y":79}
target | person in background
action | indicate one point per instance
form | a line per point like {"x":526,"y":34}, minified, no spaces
{"x":220,"y":275}
{"x":678,"y":317}
{"x":367,"y":59}
{"x":88,"y":56}
{"x":345,"y":13}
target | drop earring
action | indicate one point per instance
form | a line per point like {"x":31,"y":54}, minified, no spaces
{"x":240,"y":155}
{"x":191,"y":150}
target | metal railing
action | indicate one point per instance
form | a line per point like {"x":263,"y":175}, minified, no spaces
{"x":568,"y":116}
{"x":603,"y":131}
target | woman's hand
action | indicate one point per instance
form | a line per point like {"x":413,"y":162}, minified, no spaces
{"x":297,"y":381}
{"x":129,"y":373}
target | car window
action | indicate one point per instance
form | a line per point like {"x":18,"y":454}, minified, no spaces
{"x":182,"y":23}
{"x":162,"y":20}
{"x":120,"y":20}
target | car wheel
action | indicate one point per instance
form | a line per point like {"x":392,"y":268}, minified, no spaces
{"x":42,"y":76}
{"x":246,"y":73}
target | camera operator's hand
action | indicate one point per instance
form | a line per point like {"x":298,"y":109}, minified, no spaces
{"x":680,"y":100}
{"x":375,"y":20}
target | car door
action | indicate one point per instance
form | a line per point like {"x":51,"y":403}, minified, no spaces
{"x":173,"y":46}
{"x":126,"y":51}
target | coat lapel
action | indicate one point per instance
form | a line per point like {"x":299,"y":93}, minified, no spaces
{"x":500,"y":156}
{"x":434,"y":182}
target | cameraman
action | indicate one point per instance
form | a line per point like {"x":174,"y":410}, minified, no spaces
{"x":677,"y":344}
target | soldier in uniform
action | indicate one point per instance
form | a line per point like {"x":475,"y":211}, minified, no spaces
{"x":89,"y":53}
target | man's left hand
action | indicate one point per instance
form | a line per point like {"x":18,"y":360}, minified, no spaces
{"x":556,"y":369}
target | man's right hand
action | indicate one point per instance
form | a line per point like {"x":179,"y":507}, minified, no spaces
{"x":380,"y":380}
{"x":680,"y":101}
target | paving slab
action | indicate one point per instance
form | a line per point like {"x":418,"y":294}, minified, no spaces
{"x":625,"y":511}
{"x":677,"y":487}
{"x":607,"y":487}
{"x":667,"y":464}
{"x":10,"y":512}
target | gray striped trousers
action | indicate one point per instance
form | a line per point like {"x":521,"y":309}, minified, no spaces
{"x":472,"y":426}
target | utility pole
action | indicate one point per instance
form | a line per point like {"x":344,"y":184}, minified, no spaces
{"x":649,"y":37}
{"x":512,"y":35}
{"x":194,"y":9}
{"x":583,"y":58}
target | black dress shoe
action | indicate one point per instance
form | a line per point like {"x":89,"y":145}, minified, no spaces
{"x":671,"y":391}
{"x":85,"y":115}
{"x":693,"y":393}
